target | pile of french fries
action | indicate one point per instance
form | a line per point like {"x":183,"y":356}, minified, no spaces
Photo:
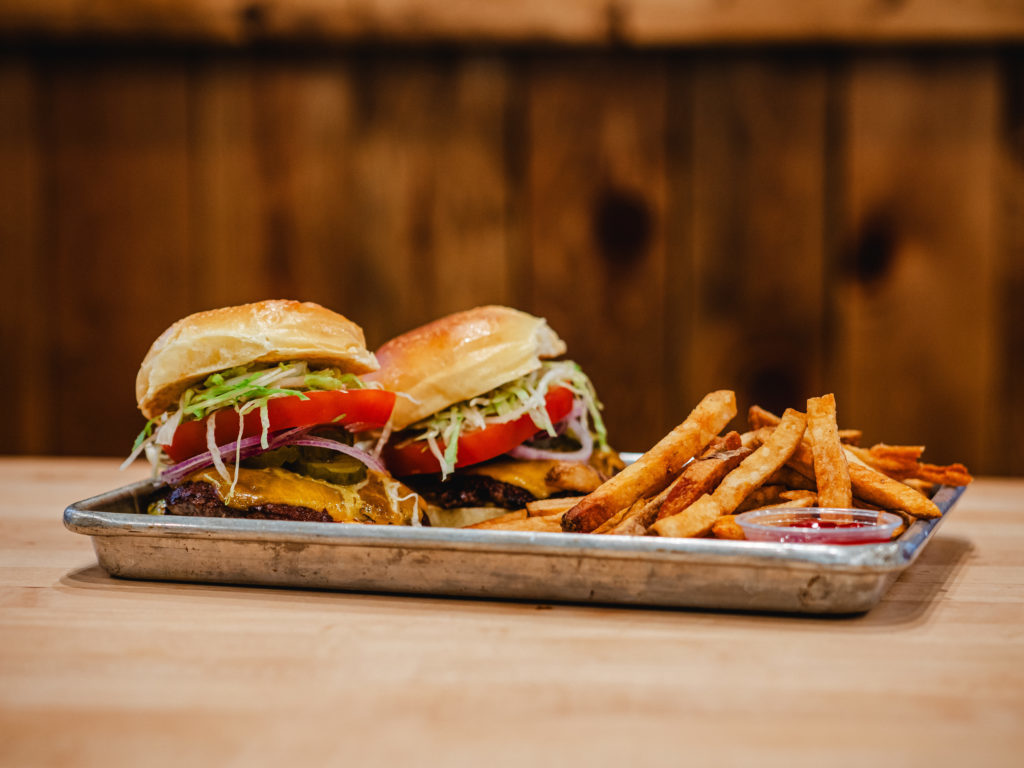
{"x":696,"y":479}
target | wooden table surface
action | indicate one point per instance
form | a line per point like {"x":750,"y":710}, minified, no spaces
{"x":97,"y":671}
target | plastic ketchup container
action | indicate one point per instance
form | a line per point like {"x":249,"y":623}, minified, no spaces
{"x":818,"y":525}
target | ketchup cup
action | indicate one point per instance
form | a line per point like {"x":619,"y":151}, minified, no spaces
{"x":818,"y":525}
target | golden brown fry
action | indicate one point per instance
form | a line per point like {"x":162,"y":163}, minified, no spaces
{"x":548,"y":523}
{"x":759,"y":497}
{"x":908,"y":454}
{"x":623,"y":514}
{"x":697,"y":478}
{"x":544,"y":507}
{"x":924,"y":487}
{"x":799,"y":496}
{"x":700,"y":476}
{"x":871,"y":485}
{"x":726,"y":527}
{"x":695,"y":520}
{"x":494,"y":522}
{"x":831,"y":473}
{"x":902,"y":462}
{"x":758,"y":418}
{"x":730,"y":441}
{"x":656,"y":468}
{"x":907,"y":519}
{"x":799,"y":503}
{"x":763,"y":462}
{"x":630,"y":526}
{"x":749,"y":439}
{"x":952,"y":474}
{"x":791,"y":479}
{"x":850,"y":436}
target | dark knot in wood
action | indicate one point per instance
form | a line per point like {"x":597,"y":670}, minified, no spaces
{"x":622,"y":226}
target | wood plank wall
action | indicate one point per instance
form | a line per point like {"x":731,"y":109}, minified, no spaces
{"x":779,"y":221}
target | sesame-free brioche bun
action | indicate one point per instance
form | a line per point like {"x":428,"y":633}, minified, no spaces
{"x":461,"y":356}
{"x":264,"y":332}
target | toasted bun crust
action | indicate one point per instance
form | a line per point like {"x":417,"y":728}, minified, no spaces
{"x":461,"y":356}
{"x":264,"y":332}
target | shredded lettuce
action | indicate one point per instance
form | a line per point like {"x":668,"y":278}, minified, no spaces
{"x":246,"y":388}
{"x":511,"y":401}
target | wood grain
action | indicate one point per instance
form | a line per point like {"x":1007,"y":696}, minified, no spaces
{"x":916,"y":303}
{"x":638,"y":22}
{"x":117,"y":141}
{"x":126,"y":667}
{"x":597,"y":201}
{"x":756,"y":298}
{"x":24,"y":330}
{"x":426,"y":224}
{"x":781,"y":222}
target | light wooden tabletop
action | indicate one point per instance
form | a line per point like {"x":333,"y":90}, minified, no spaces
{"x":96,"y":671}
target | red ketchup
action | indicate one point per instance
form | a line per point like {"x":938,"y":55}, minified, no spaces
{"x":825,"y":524}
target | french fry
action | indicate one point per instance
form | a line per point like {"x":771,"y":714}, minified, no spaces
{"x":630,"y":526}
{"x":867,"y":483}
{"x":907,"y":519}
{"x":697,"y":519}
{"x":763,"y":462}
{"x":544,"y":507}
{"x":873,"y":486}
{"x":635,"y":520}
{"x":951,"y":474}
{"x":759,"y":418}
{"x":831,"y":474}
{"x":850,"y":436}
{"x":798,"y":495}
{"x":788,"y":477}
{"x":494,"y":522}
{"x":897,"y":461}
{"x":924,"y":487}
{"x":749,"y":439}
{"x":759,"y":497}
{"x":801,"y":502}
{"x":547,"y":523}
{"x":656,"y":468}
{"x":726,"y":527}
{"x":631,"y":511}
{"x":699,"y":477}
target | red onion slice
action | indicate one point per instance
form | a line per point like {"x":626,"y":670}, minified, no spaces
{"x":348,"y":450}
{"x":250,"y":446}
{"x":576,"y":422}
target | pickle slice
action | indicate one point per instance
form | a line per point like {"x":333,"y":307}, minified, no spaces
{"x":343,"y":470}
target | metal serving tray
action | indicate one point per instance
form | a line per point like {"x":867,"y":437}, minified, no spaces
{"x":695,"y":573}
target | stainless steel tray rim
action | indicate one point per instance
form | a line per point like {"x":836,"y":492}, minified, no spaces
{"x":85,"y":519}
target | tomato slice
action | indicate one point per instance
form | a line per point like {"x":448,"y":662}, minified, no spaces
{"x":414,"y":457}
{"x":357,"y":409}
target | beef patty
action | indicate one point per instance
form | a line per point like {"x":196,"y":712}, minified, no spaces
{"x":201,"y":500}
{"x":461,"y":490}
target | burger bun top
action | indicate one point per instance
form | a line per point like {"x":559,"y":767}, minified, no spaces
{"x":263,"y":332}
{"x":460,"y":356}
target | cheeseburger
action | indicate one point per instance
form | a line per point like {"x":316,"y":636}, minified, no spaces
{"x":485,"y":417}
{"x":254,"y":412}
